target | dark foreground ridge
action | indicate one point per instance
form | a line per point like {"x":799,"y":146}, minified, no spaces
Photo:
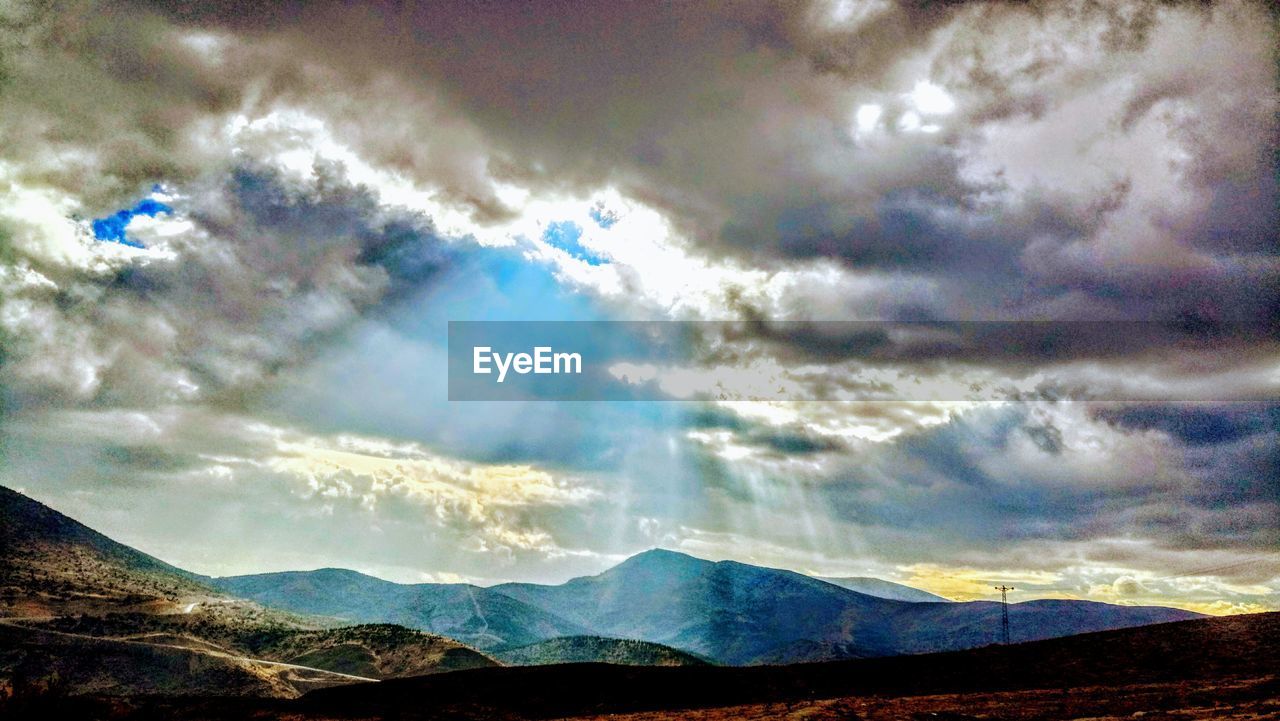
{"x":1165,"y":652}
{"x":1205,"y":654}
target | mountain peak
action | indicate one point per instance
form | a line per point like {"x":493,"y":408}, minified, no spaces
{"x":664,"y":554}
{"x":661,"y":560}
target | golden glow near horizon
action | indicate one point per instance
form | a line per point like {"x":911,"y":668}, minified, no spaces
{"x":1129,"y":589}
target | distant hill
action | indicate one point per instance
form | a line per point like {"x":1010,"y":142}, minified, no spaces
{"x":595,"y":649}
{"x":736,"y":613}
{"x":883,"y":589}
{"x":477,"y":616}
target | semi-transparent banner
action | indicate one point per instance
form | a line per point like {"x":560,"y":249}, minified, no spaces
{"x":863,"y":360}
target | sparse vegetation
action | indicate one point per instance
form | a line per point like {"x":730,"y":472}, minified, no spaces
{"x":597,"y":649}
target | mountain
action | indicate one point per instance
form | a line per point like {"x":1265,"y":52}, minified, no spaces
{"x":883,"y":589}
{"x":930,"y":627}
{"x":54,"y":565}
{"x":730,"y":612}
{"x":735,"y":613}
{"x":595,"y":649}
{"x":477,"y":616}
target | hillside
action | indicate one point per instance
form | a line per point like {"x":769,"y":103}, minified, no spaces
{"x":96,"y":615}
{"x":595,"y":649}
{"x":54,"y":565}
{"x":376,"y":651}
{"x":477,"y":616}
{"x":40,"y":663}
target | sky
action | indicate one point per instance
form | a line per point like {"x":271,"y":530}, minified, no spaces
{"x":232,"y":235}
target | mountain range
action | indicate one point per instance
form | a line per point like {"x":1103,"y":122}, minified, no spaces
{"x":728,"y":612}
{"x":477,"y":616}
{"x":723,"y":612}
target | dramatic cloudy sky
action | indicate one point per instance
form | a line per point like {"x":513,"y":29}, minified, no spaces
{"x":232,"y":234}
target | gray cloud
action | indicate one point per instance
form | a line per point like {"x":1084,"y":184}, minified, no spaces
{"x":265,"y":268}
{"x":738,"y":119}
{"x":985,"y":482}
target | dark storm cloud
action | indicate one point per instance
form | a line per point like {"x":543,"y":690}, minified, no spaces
{"x":999,"y":343}
{"x":975,"y":479}
{"x":140,"y":458}
{"x":782,"y":442}
{"x":98,"y":99}
{"x":736,"y":118}
{"x":1193,"y":357}
{"x":1233,"y":448}
{"x":1197,"y":424}
{"x":1047,"y":437}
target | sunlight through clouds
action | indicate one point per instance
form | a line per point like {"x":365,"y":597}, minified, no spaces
{"x":228,"y":260}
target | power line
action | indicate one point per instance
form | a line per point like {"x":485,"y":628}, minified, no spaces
{"x":1004,"y":612}
{"x":1214,"y":569}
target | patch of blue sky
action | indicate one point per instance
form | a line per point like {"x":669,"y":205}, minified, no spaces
{"x":567,"y":236}
{"x":603,"y":218}
{"x":391,"y":379}
{"x":113,"y":228}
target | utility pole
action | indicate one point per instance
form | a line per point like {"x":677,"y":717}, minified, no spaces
{"x":1004,"y":612}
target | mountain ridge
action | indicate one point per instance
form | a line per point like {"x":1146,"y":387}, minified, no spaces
{"x":727,"y":611}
